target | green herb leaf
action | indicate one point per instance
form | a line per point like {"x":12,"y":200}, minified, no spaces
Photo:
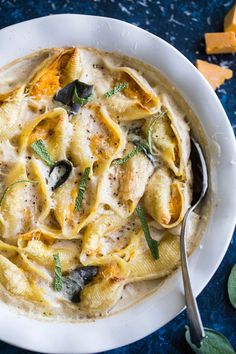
{"x":121,"y":86}
{"x":145,"y":150}
{"x":150,"y":129}
{"x":213,"y":343}
{"x":152,"y":244}
{"x":12,"y":185}
{"x":74,"y":95}
{"x":80,"y":100}
{"x":82,"y":186}
{"x":232,"y":286}
{"x":140,"y":147}
{"x":57,"y":282}
{"x":39,"y":147}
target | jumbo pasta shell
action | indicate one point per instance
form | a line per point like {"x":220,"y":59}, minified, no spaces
{"x":166,"y":198}
{"x":55,"y":73}
{"x":16,"y":282}
{"x":136,"y":101}
{"x":11,"y":113}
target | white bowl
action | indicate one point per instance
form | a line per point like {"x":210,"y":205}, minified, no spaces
{"x":156,"y":310}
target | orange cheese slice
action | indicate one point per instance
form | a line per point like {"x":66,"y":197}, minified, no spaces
{"x":217,"y":43}
{"x":215,"y":74}
{"x":230,"y":20}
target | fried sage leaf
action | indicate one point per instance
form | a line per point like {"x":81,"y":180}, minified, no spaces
{"x":68,"y":95}
{"x":213,"y":343}
{"x":57,"y":282}
{"x":152,"y":244}
{"x":64,"y":166}
{"x":39,"y":147}
{"x":63,"y":169}
{"x":76,"y":280}
{"x":232,"y":286}
{"x":140,"y":147}
{"x":82,"y":186}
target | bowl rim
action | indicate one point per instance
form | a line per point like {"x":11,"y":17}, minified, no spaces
{"x":120,"y":329}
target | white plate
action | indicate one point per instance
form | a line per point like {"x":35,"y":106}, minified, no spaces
{"x":156,"y":310}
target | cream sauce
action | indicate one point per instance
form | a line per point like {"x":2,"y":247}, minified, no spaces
{"x":94,"y":71}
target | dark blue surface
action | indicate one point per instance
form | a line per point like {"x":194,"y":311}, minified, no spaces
{"x":183,"y":24}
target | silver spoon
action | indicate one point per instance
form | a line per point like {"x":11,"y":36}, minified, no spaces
{"x":200,"y":185}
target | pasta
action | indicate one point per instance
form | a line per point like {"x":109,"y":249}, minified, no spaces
{"x":86,"y":138}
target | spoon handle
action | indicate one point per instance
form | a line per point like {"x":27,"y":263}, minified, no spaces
{"x":195,"y":323}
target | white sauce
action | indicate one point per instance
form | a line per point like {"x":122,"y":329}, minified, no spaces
{"x":92,"y":73}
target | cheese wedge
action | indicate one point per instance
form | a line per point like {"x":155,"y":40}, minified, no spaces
{"x":230,"y":20}
{"x":215,"y":74}
{"x":217,"y":43}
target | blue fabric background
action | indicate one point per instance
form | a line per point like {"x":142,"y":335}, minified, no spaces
{"x":183,"y":24}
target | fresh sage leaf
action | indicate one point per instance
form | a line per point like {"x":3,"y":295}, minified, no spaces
{"x":39,"y":147}
{"x":79,"y":100}
{"x":140,"y":147}
{"x":57,"y":282}
{"x":12,"y":185}
{"x":213,"y":343}
{"x":150,"y":129}
{"x":232,"y":286}
{"x":121,"y":86}
{"x":82,"y":186}
{"x":146,"y":151}
{"x":152,"y":244}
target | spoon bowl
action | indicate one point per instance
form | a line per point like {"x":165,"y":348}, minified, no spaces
{"x":200,"y":186}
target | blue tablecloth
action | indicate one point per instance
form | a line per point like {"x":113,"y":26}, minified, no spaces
{"x":183,"y":24}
